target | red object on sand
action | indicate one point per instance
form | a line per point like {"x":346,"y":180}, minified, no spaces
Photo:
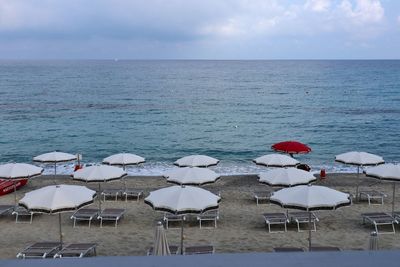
{"x":291,"y":147}
{"x":7,"y":186}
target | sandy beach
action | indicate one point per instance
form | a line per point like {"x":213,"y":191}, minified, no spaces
{"x":241,"y":227}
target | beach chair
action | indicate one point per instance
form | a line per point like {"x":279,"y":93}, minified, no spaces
{"x":110,"y":215}
{"x":324,"y":248}
{"x":372,"y":195}
{"x":195,"y":250}
{"x":169,"y":217}
{"x":378,"y":219}
{"x":288,"y":249}
{"x":111,"y":193}
{"x":85,"y":215}
{"x":6,"y":209}
{"x":277,"y":218}
{"x":77,"y":250}
{"x":40,"y":250}
{"x":21,"y":212}
{"x":302,"y":217}
{"x":210,"y":216}
{"x":261,"y":195}
{"x":135,"y":193}
{"x":173,"y":249}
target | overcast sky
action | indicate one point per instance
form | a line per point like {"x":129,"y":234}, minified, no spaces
{"x":199,"y":29}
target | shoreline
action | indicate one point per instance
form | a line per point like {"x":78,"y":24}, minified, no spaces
{"x":240,"y":229}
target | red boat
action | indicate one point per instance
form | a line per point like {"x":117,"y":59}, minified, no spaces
{"x":7,"y":186}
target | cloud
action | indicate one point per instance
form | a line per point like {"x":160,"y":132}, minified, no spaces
{"x":318,"y":5}
{"x":363,"y":12}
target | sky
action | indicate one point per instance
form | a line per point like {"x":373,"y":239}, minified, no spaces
{"x":200,"y":29}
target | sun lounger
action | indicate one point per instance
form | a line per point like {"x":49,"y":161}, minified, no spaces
{"x":136,"y":193}
{"x":77,"y":250}
{"x":24,"y":213}
{"x":288,"y":249}
{"x":85,"y":215}
{"x":380,"y":219}
{"x":278,"y":218}
{"x":372,"y":195}
{"x":5,"y":209}
{"x":302,"y":217}
{"x":40,"y":250}
{"x":110,"y":215}
{"x":114,"y":193}
{"x":211,"y":216}
{"x":261,"y":195}
{"x":173,"y":249}
{"x":193,"y":250}
{"x":324,"y":248}
{"x":168,"y":217}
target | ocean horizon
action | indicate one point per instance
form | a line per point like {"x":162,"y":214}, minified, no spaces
{"x":233,"y":110}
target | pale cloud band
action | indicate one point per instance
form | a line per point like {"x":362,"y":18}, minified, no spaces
{"x":182,"y":27}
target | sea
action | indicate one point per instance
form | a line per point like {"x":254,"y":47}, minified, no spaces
{"x":231,"y":110}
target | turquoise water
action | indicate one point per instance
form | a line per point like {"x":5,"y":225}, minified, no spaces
{"x":231,"y":110}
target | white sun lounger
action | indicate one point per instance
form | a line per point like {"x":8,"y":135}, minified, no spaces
{"x":277,"y":218}
{"x":372,"y":195}
{"x":22,"y":212}
{"x":110,"y":215}
{"x":77,"y":250}
{"x":210,"y":216}
{"x":261,"y":195}
{"x":135,"y":193}
{"x":85,"y":215}
{"x":169,"y":217}
{"x":380,"y":219}
{"x":39,"y":250}
{"x":195,"y":250}
{"x":302,"y":217}
{"x":113,"y":193}
{"x":5,"y":209}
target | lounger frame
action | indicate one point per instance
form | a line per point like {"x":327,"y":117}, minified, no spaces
{"x":209,"y":216}
{"x":85,"y":215}
{"x":302,"y":217}
{"x":111,"y":215}
{"x":278,"y":218}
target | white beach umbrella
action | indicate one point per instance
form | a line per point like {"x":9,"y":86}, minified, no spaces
{"x":16,"y":171}
{"x":388,"y":172}
{"x":191,"y":176}
{"x":310,"y":198}
{"x":286,"y":177}
{"x":276,"y":160}
{"x":99,"y":173}
{"x":57,"y":199}
{"x":54,"y":157}
{"x":359,"y":159}
{"x":196,"y":161}
{"x":161,"y":247}
{"x":123,"y":159}
{"x":182,"y":200}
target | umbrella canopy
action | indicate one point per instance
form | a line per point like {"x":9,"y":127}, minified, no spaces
{"x":56,"y":199}
{"x":359,"y":158}
{"x":291,"y":147}
{"x":286,"y":177}
{"x":196,"y":161}
{"x":276,"y":160}
{"x":12,"y":171}
{"x":182,"y":200}
{"x":99,"y":173}
{"x":16,"y":171}
{"x":309,"y":198}
{"x":123,"y":159}
{"x":54,"y":157}
{"x":191,"y":176}
{"x":388,"y":172}
{"x":161,"y":247}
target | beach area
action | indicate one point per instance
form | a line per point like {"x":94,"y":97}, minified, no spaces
{"x":240,"y":228}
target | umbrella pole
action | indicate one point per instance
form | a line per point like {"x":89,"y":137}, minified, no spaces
{"x":55,"y":172}
{"x":15,"y":193}
{"x":394,"y":190}
{"x":309,"y":230}
{"x":99,"y":197}
{"x":182,"y":235}
{"x":123,"y":178}
{"x":358,"y":182}
{"x":59,"y":222}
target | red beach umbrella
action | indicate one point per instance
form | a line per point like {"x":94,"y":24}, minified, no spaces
{"x":291,"y":147}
